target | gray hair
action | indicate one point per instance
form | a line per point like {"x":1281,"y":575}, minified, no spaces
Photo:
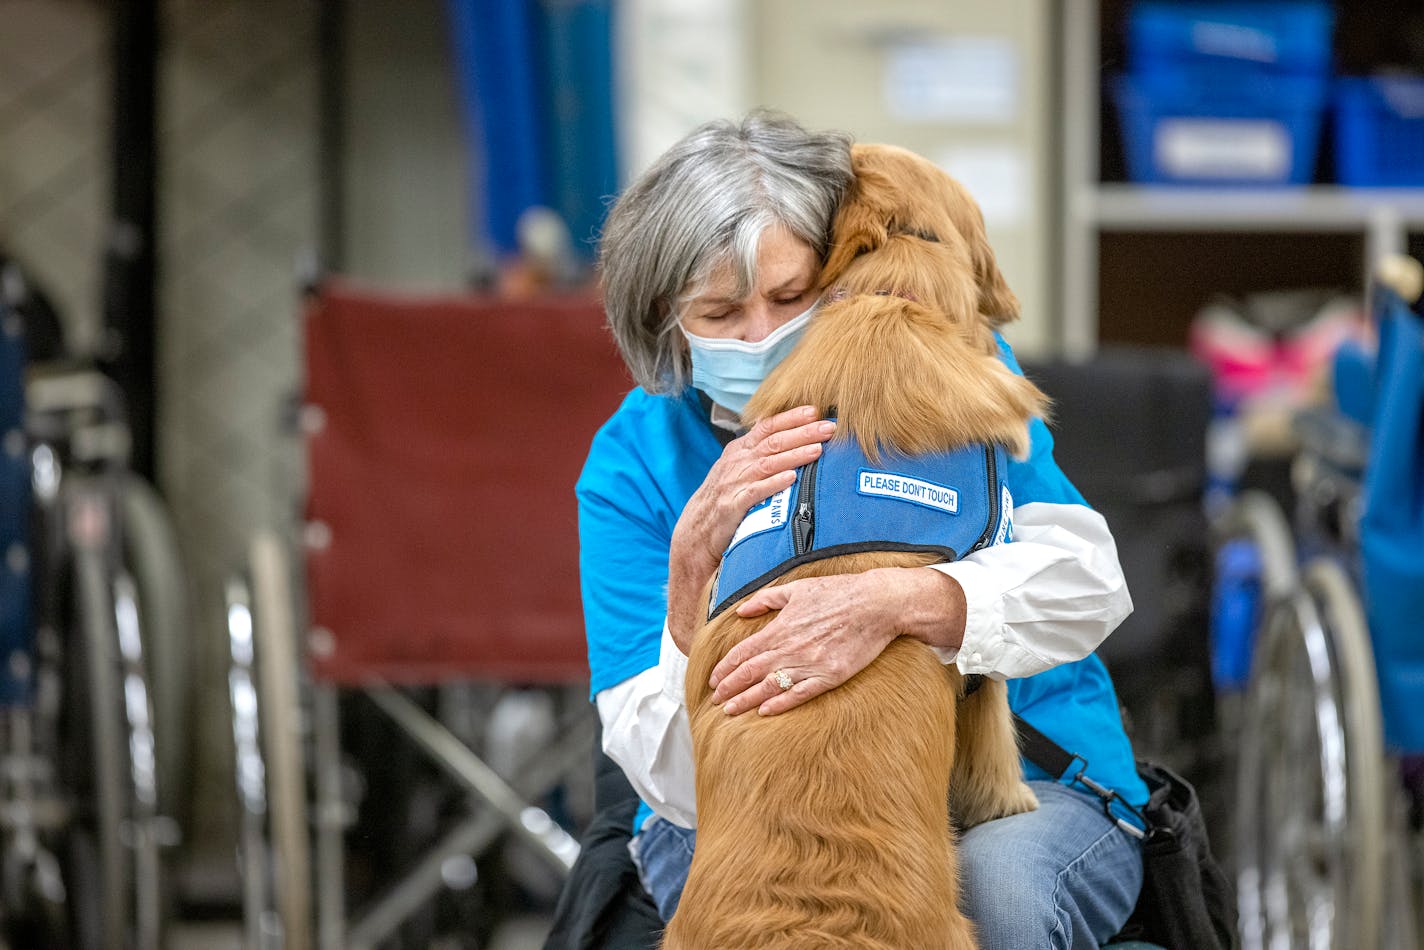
{"x":706,"y":201}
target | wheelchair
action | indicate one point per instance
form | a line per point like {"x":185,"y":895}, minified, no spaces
{"x":89,"y":583}
{"x":433,"y":581}
{"x":1325,"y":848}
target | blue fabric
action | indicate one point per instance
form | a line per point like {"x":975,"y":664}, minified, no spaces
{"x":949,"y":502}
{"x":1392,"y":527}
{"x":1038,"y":477}
{"x":644,"y":465}
{"x":16,"y":632}
{"x":497,"y":67}
{"x":536,"y":91}
{"x":583,"y":156}
{"x":1352,"y":372}
{"x":1061,"y":876}
{"x":642,"y":468}
{"x":662,"y":853}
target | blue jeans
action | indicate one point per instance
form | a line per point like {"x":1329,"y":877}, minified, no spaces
{"x":1063,"y":876}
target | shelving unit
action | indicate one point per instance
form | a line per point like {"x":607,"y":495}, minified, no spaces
{"x":1118,"y":206}
{"x":1091,"y":209}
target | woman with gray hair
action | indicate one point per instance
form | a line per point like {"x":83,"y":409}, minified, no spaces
{"x":710,"y":263}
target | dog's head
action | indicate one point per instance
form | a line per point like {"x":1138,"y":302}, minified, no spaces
{"x":904,"y":344}
{"x":907,"y":227}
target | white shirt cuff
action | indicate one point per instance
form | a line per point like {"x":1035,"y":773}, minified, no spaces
{"x":980,"y":650}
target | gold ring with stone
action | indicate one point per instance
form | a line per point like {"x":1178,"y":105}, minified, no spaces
{"x":783,"y":679}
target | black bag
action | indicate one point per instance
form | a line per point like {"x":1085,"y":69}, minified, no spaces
{"x":1186,"y":901}
{"x":603,"y":905}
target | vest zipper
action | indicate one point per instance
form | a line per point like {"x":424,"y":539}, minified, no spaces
{"x":803,"y":522}
{"x":992,"y":465}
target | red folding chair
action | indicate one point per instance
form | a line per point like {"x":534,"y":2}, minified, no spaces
{"x":443,"y":438}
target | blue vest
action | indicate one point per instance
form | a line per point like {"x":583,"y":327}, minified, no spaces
{"x":946,"y":503}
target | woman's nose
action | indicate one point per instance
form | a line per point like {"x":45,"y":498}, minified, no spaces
{"x":760,"y":322}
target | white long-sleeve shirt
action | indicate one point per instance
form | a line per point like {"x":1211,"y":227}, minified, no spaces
{"x":1049,"y":597}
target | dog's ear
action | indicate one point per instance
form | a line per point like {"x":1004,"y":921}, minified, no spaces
{"x":996,"y":300}
{"x":862,"y":221}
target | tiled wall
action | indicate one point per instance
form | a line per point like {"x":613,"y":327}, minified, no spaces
{"x":237,"y":133}
{"x":54,"y":157}
{"x":238,"y":215}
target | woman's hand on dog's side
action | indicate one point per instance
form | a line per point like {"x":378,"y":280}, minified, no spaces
{"x":752,"y":468}
{"x":831,"y":628}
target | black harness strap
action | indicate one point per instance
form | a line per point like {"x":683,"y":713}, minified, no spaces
{"x":1043,"y":751}
{"x":1056,"y":761}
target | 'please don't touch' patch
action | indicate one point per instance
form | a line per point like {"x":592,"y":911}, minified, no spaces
{"x":907,"y":488}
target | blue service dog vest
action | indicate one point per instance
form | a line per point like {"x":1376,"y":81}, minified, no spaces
{"x":947,"y":503}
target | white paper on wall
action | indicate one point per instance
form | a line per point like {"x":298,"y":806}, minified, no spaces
{"x":953,"y":79}
{"x":999,"y":178}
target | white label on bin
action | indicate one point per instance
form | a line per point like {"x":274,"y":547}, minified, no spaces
{"x":1221,"y":148}
{"x":1234,"y":41}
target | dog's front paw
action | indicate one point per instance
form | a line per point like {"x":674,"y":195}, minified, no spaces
{"x":1021,"y":800}
{"x":1013,"y":798}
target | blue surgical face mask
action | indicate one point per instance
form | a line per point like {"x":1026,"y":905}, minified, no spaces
{"x":729,"y":371}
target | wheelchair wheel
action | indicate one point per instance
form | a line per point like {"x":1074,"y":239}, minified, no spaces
{"x":114,"y":869}
{"x":1310,"y":817}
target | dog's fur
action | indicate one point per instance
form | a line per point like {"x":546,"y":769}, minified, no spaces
{"x":827,"y":826}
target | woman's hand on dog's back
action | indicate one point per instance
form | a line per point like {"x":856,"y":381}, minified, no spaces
{"x":752,"y":468}
{"x":829,"y":629}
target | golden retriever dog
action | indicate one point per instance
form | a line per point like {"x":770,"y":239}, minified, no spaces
{"x":833,"y":825}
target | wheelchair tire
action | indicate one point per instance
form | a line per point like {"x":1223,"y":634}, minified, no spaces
{"x":152,"y":555}
{"x":254,"y":851}
{"x":1310,"y":800}
{"x":141,"y":832}
{"x":83,"y":890}
{"x":117,"y":724}
{"x":109,"y":748}
{"x":1349,"y":635}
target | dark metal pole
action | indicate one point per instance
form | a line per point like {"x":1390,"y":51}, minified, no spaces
{"x":131,"y":260}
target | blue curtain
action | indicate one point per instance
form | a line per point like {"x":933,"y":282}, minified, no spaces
{"x":536,"y":85}
{"x":577,"y":40}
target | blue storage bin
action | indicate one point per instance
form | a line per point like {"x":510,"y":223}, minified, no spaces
{"x":1203,"y":127}
{"x":1379,"y":131}
{"x":1285,"y":36}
